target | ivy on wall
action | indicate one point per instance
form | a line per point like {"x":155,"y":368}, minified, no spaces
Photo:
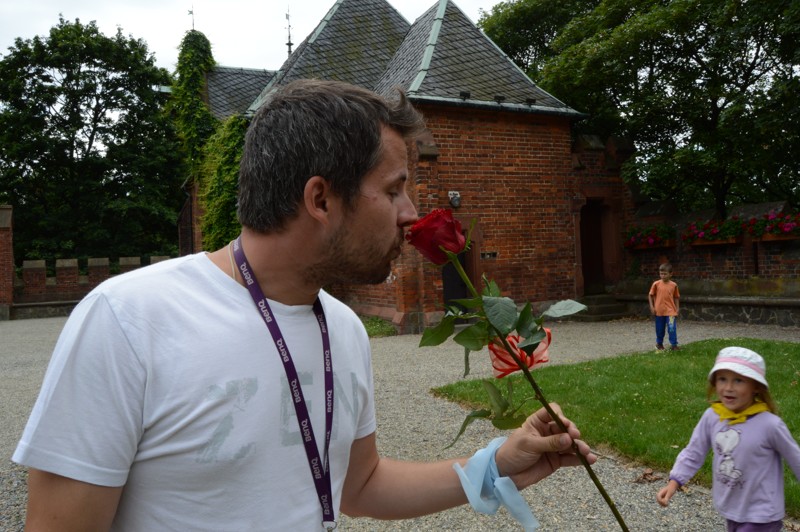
{"x":219,"y":178}
{"x":194,"y":121}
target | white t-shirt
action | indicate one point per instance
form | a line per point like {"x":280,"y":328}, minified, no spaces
{"x":167,"y":381}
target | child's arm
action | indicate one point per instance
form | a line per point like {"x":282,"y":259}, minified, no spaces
{"x":652,"y":298}
{"x":690,"y":459}
{"x":785,"y":444}
{"x":666,"y":493}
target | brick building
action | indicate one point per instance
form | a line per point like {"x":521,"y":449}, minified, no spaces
{"x":549,"y":211}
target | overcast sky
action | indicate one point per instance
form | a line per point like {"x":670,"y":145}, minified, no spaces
{"x":250,"y":34}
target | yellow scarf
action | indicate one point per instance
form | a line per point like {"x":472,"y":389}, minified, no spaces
{"x":738,"y":417}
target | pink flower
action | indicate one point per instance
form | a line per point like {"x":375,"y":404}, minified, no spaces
{"x":502,"y":362}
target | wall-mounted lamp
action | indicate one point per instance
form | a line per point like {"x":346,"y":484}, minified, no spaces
{"x":455,"y":199}
{"x":464,"y":95}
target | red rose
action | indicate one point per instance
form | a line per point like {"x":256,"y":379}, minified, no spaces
{"x":435,"y":231}
{"x":502,"y":362}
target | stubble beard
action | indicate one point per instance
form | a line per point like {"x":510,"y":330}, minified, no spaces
{"x":344,"y":264}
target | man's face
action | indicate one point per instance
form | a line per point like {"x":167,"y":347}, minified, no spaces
{"x":371,"y":235}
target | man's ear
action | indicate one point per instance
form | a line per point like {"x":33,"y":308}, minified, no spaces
{"x":318,"y":199}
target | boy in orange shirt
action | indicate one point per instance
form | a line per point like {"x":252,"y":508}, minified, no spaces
{"x":664,"y":305}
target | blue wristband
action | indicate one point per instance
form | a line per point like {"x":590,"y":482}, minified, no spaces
{"x":486,"y":490}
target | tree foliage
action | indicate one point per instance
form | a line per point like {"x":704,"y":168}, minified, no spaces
{"x":88,"y":159}
{"x":525,"y":29}
{"x":707,"y":90}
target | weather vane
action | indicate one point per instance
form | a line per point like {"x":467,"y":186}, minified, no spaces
{"x":191,"y":12}
{"x":289,"y":31}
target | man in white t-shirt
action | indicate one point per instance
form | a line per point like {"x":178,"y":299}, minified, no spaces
{"x":228,"y":391}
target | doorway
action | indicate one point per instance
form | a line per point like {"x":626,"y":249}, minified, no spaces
{"x":592,"y":264}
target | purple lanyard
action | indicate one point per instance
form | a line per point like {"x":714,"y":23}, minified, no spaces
{"x":320,"y":469}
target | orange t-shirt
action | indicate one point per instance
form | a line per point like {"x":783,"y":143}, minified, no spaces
{"x":665,"y":295}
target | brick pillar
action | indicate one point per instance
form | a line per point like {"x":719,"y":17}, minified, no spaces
{"x":66,"y":280}
{"x":6,"y":263}
{"x":98,"y":271}
{"x":34,"y":279}
{"x":127,"y":264}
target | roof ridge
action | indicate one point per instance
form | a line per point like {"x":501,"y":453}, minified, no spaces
{"x":433,"y":37}
{"x":240,"y":69}
{"x":324,"y":22}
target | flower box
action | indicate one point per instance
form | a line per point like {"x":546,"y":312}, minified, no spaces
{"x":664,"y":244}
{"x":717,"y":242}
{"x":772,"y":237}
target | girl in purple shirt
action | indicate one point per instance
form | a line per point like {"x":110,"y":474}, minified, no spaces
{"x":748,"y":439}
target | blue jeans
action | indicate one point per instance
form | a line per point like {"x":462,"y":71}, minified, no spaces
{"x":670,"y":323}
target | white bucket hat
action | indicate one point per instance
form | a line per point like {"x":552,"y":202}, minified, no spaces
{"x":742,"y":361}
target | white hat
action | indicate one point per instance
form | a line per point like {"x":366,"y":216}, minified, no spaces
{"x":742,"y":361}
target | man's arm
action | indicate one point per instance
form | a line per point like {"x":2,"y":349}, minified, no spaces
{"x":389,"y":489}
{"x":57,"y":503}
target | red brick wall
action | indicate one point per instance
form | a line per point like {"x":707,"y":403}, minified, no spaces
{"x":67,"y":284}
{"x":746,"y":259}
{"x":517,"y":177}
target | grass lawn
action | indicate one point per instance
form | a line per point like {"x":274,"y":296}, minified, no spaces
{"x":645,"y":405}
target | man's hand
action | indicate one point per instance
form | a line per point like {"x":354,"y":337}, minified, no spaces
{"x":539,"y":447}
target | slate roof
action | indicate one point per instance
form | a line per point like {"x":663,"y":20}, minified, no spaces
{"x":232,"y":90}
{"x":443,"y":57}
{"x":353,"y":43}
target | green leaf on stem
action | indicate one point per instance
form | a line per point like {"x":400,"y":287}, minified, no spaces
{"x":473,"y":337}
{"x":530,"y":343}
{"x":474,"y":302}
{"x":566,"y":307}
{"x":490,"y":288}
{"x":511,"y":421}
{"x":472,"y":416}
{"x":526,"y":323}
{"x":472,"y":225}
{"x":501,"y":313}
{"x":433,"y":336}
{"x":498,"y":403}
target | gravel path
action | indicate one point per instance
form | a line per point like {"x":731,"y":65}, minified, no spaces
{"x":412,"y":425}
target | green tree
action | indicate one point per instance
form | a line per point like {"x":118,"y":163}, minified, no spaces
{"x":707,"y":90}
{"x":525,"y":29}
{"x":88,"y":159}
